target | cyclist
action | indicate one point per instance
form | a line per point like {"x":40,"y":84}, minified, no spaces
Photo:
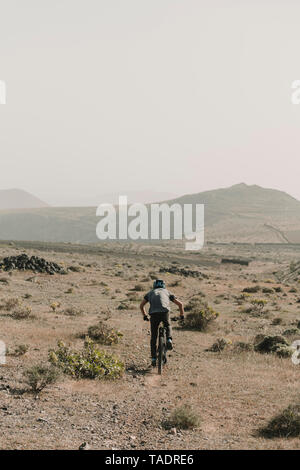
{"x":159,"y":310}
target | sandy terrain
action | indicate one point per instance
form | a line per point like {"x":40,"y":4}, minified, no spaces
{"x":233,"y":393}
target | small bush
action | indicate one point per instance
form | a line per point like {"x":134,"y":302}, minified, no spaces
{"x":291,"y":332}
{"x":22,"y":313}
{"x":278,"y":289}
{"x":90,"y":363}
{"x":20,"y":350}
{"x":267,"y":290}
{"x":241,"y":346}
{"x":123,"y":306}
{"x":102,"y":334}
{"x":285,"y":424}
{"x":270,"y":344}
{"x":199,"y":315}
{"x":284,"y":351}
{"x":183,"y":417}
{"x":9,"y":304}
{"x":73,"y":312}
{"x":54,"y":306}
{"x":219,"y":345}
{"x":277,"y":321}
{"x":138,"y":288}
{"x":75,"y":269}
{"x":39,"y":376}
{"x":257,"y":307}
{"x":252,"y":289}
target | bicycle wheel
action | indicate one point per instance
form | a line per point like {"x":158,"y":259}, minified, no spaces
{"x":160,"y":353}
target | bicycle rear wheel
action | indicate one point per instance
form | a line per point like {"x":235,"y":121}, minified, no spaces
{"x":160,"y":354}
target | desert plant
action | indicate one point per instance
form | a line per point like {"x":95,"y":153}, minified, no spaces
{"x":9,"y":304}
{"x":90,"y":363}
{"x":39,"y":376}
{"x":54,"y":306}
{"x":219,"y":345}
{"x":285,"y":424}
{"x":123,"y":306}
{"x":252,"y":289}
{"x":291,"y":332}
{"x":270,"y":344}
{"x":199,"y":315}
{"x":20,"y":350}
{"x":102,"y":334}
{"x":22,"y":313}
{"x":73,"y":311}
{"x":241,"y":346}
{"x":267,"y":290}
{"x":277,"y":321}
{"x":183,"y":417}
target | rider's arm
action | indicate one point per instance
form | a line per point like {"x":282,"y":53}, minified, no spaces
{"x":142,"y":307}
{"x":180,"y":305}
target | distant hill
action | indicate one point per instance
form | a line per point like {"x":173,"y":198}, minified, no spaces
{"x":241,"y":213}
{"x":19,"y":199}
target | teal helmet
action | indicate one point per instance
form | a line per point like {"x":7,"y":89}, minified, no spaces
{"x":159,"y":284}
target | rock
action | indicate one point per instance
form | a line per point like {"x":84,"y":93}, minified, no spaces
{"x":184,"y":272}
{"x":173,"y":431}
{"x":35,"y":264}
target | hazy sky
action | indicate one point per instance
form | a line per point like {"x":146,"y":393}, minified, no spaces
{"x":171,"y":95}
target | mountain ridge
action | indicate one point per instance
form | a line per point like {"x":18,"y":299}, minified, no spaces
{"x":239,"y":213}
{"x":19,"y":199}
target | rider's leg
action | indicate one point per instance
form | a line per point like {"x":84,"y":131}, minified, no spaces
{"x":167,"y":325}
{"x":154,"y":322}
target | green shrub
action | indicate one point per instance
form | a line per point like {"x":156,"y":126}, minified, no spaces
{"x":285,"y":424}
{"x":199,"y":315}
{"x":23,"y":313}
{"x":252,"y":289}
{"x":9,"y":304}
{"x":241,"y":346}
{"x":73,"y":312}
{"x":270,"y":344}
{"x":102,"y":334}
{"x":183,"y":417}
{"x":284,"y":351}
{"x":219,"y":345}
{"x":90,"y":363}
{"x":123,"y":306}
{"x":39,"y":376}
{"x":267,"y":290}
{"x":278,"y":289}
{"x":291,"y":332}
{"x":277,"y":321}
{"x":20,"y":350}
